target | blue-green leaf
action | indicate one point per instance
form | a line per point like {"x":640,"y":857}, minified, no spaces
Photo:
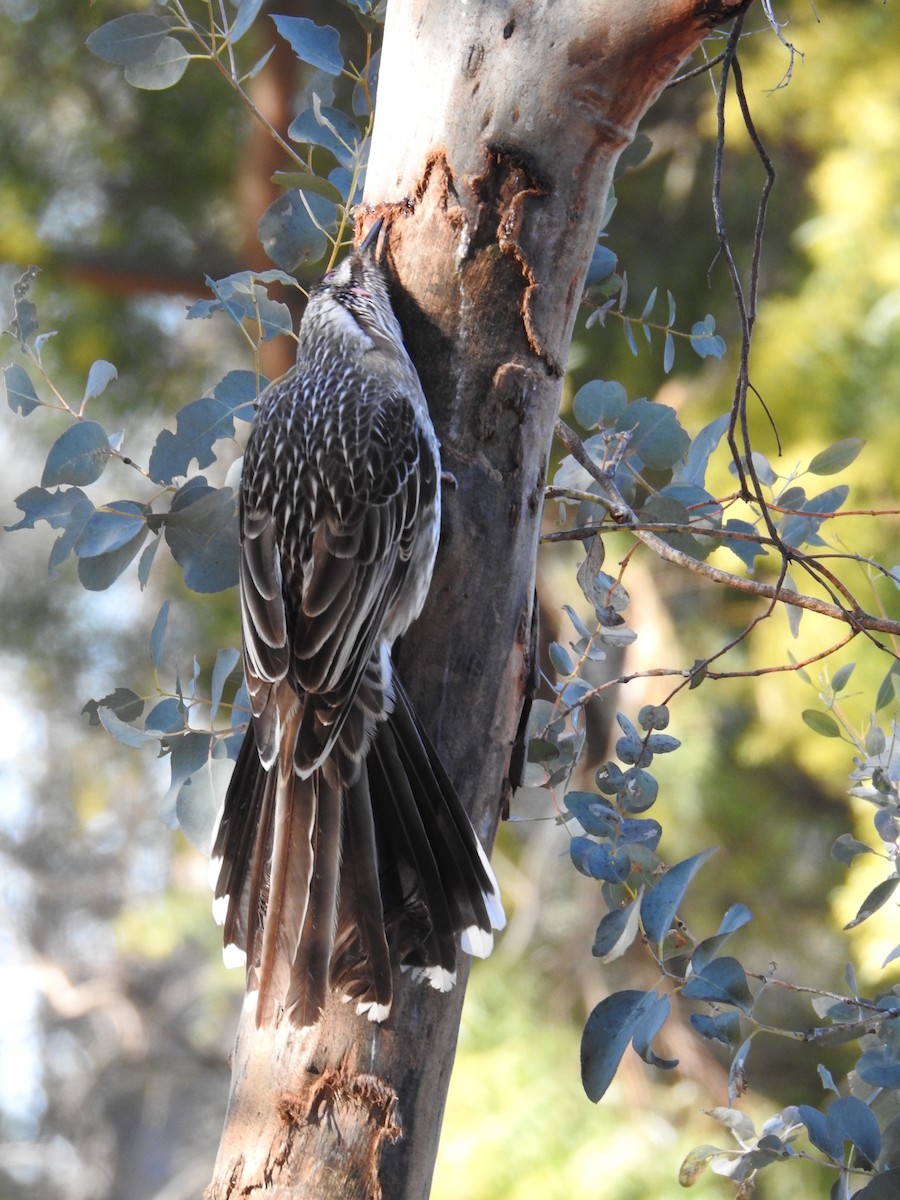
{"x":647,"y":1028}
{"x":746,"y":550}
{"x":202,"y":532}
{"x":879,"y":896}
{"x":200,"y":797}
{"x":722,"y":981}
{"x":81,"y":513}
{"x":668,"y":353}
{"x":160,"y":70}
{"x":101,"y":374}
{"x":168,"y":716}
{"x":879,"y":1067}
{"x":737,"y":916}
{"x":704,"y":339}
{"x":598,"y":860}
{"x":593,"y":814}
{"x":127,"y":734}
{"x":661,"y":903}
{"x":841,"y":677}
{"x":846,"y":848}
{"x":836,"y":457}
{"x":227,"y":659}
{"x":856,"y":1122}
{"x":293,"y":229}
{"x":607,"y":1032}
{"x":821,"y":723}
{"x":189,"y":752}
{"x":701,"y":448}
{"x":55,"y":508}
{"x":724,"y":1027}
{"x":617,"y":931}
{"x":198,"y":426}
{"x":561,"y":659}
{"x":20,"y":394}
{"x":242,"y":298}
{"x":641,"y":790}
{"x":78,"y":455}
{"x":100,"y":571}
{"x":602,"y":265}
{"x":330,"y":128}
{"x":146,"y":562}
{"x":822,"y":1132}
{"x":110,"y":527}
{"x":247,"y":12}
{"x":129,"y":39}
{"x":158,"y":634}
{"x":599,"y":402}
{"x":318,"y":45}
{"x":890,"y":687}
{"x":657,"y":438}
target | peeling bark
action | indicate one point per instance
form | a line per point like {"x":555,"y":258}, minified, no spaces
{"x":497,"y":131}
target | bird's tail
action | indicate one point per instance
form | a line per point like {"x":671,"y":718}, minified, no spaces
{"x":323,"y":885}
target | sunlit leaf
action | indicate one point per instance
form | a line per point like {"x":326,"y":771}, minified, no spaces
{"x":821,"y":723}
{"x":879,"y":896}
{"x":836,"y":457}
{"x":129,"y":39}
{"x":317,"y":45}
{"x":617,"y":931}
{"x":160,"y":70}
{"x":20,"y":394}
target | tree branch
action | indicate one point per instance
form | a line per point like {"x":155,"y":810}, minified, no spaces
{"x":625,"y":518}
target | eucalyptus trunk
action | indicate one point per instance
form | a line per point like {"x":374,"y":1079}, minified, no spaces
{"x":498,"y":126}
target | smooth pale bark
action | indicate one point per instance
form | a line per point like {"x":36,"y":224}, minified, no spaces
{"x":498,"y":127}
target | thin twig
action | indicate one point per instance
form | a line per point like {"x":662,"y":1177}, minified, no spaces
{"x":625,"y":518}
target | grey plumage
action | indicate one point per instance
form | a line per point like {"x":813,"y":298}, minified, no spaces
{"x":342,"y":846}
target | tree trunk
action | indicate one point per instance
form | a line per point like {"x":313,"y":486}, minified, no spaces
{"x":498,"y":127}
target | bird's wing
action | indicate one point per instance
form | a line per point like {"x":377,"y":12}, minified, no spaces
{"x":318,"y":579}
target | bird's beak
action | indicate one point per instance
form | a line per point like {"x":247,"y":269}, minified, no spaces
{"x":368,"y":242}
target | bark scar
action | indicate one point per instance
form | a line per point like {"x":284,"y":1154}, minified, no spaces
{"x":369,"y":1105}
{"x":509,"y":181}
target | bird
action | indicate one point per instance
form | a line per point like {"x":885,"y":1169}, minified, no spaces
{"x":342,"y":849}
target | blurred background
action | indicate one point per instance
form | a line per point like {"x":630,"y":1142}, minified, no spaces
{"x":116,"y":1016}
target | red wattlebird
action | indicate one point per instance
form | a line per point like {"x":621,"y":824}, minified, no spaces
{"x":342,"y":848}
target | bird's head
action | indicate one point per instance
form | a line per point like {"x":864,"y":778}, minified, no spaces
{"x":352,"y":304}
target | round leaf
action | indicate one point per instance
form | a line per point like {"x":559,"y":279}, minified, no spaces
{"x":77,"y":456}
